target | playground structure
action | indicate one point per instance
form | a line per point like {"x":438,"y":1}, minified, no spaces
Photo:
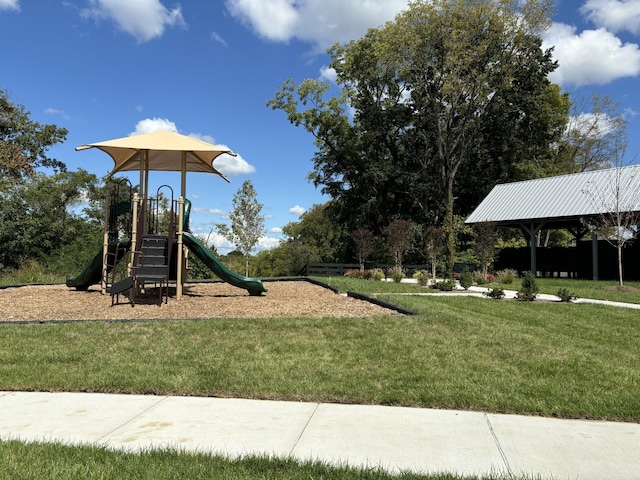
{"x":150,"y":235}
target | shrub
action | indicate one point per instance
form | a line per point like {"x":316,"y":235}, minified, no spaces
{"x":446,"y":285}
{"x":565,"y":295}
{"x":506,"y":276}
{"x":529,"y":290}
{"x":479,"y":278}
{"x":423,"y":277}
{"x":396,"y":273}
{"x":354,"y":273}
{"x":495,"y":293}
{"x":377,"y":274}
{"x":466,"y":279}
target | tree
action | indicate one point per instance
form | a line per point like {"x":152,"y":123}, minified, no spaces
{"x":594,"y":134}
{"x":247,"y":222}
{"x":316,"y":237}
{"x":400,"y":235}
{"x":23,"y":142}
{"x":486,"y":237}
{"x":447,"y":87}
{"x":433,"y":241}
{"x":364,"y":242}
{"x":37,"y":219}
{"x":618,"y":200}
{"x":458,"y":58}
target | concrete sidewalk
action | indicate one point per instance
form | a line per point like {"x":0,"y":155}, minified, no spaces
{"x":393,"y":438}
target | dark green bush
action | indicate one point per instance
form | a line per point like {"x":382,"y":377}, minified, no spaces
{"x":495,"y":293}
{"x":529,"y":290}
{"x":565,"y":295}
{"x":445,"y":285}
{"x":466,"y":279}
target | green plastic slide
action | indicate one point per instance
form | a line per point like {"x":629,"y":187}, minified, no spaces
{"x":93,"y":271}
{"x":253,"y":285}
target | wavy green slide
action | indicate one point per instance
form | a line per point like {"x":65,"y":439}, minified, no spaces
{"x":253,"y":285}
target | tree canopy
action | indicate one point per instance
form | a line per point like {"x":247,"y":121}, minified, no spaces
{"x":435,"y":107}
{"x":24,"y":143}
{"x":247,"y":221}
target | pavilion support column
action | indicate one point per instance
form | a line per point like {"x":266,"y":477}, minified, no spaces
{"x":180,"y":250}
{"x":594,"y":255}
{"x":531,"y":231}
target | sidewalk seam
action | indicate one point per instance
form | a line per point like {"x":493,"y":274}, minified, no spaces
{"x":304,"y":429}
{"x":108,"y":434}
{"x":499,"y":447}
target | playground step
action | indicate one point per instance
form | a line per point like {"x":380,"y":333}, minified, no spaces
{"x":120,"y":286}
{"x":159,"y":271}
{"x":154,"y":259}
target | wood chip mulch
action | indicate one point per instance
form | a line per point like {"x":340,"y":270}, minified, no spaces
{"x":199,"y":300}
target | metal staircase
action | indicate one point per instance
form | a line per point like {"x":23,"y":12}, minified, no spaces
{"x":151,"y":259}
{"x":151,"y":264}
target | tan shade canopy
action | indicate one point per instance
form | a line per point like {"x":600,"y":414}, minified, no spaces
{"x":165,"y":151}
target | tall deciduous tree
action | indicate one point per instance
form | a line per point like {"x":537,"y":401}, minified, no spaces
{"x":457,"y":58}
{"x":24,"y":143}
{"x":448,"y":87}
{"x":594,"y":134}
{"x":247,"y":221}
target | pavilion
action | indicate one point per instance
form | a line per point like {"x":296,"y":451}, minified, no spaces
{"x":572,"y":202}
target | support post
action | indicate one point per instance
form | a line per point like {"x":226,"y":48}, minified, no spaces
{"x":180,"y":258}
{"x":134,"y":228}
{"x":105,"y":246}
{"x":531,"y":231}
{"x":594,"y":255}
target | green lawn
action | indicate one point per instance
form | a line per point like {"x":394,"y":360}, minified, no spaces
{"x":552,"y":359}
{"x":37,"y":461}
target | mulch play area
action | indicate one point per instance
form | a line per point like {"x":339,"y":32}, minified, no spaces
{"x":199,"y":300}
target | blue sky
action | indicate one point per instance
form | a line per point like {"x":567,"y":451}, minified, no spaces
{"x":105,"y":69}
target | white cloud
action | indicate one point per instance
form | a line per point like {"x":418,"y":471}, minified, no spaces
{"x":209,"y":211}
{"x":297,"y":210}
{"x":9,"y":5}
{"x":149,"y":125}
{"x":267,"y":243}
{"x":593,"y":57}
{"x":614,"y":15}
{"x":143,"y":19}
{"x":276,"y":230}
{"x":55,"y":111}
{"x":215,"y":37}
{"x":224,"y":246}
{"x":594,"y":125}
{"x":321,"y":22}
{"x":329,"y":74}
{"x":231,"y":166}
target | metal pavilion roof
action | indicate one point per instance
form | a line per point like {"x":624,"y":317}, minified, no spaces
{"x":563,"y":198}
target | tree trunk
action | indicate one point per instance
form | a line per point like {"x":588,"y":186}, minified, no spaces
{"x":449,"y":231}
{"x":620,"y":281}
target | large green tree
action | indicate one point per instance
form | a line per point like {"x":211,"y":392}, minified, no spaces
{"x":435,"y":108}
{"x":37,"y":193}
{"x":24,"y":143}
{"x":40,"y":216}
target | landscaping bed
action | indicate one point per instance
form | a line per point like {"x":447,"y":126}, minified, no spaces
{"x":200,"y":300}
